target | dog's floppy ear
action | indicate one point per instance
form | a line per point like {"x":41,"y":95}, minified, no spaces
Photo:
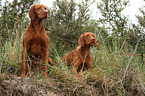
{"x":32,"y":13}
{"x":81,"y":40}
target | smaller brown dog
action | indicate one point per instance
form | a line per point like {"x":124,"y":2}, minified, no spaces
{"x":80,"y":56}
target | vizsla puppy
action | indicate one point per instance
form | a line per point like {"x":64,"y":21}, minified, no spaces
{"x":80,"y":56}
{"x":36,"y":41}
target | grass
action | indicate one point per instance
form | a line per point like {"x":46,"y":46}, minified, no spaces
{"x":114,"y":72}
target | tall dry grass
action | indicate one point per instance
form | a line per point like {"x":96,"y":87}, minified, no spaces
{"x":115,"y":72}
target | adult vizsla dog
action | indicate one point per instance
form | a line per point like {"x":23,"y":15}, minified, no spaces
{"x":80,"y":56}
{"x":36,"y":41}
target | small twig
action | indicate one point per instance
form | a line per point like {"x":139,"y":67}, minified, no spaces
{"x":130,"y":60}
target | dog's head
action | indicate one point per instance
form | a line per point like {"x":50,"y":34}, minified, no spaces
{"x":38,"y":11}
{"x":87,"y":39}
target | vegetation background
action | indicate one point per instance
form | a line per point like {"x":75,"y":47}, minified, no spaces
{"x":118,"y":60}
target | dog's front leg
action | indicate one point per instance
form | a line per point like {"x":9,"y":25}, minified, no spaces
{"x":76,"y":64}
{"x":89,"y":63}
{"x":23,"y":64}
{"x":46,"y":62}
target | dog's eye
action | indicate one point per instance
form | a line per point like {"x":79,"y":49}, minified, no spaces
{"x":45,"y":8}
{"x":87,"y":36}
{"x":39,"y":8}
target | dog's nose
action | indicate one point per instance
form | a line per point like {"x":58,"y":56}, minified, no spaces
{"x":93,"y":38}
{"x":45,"y":11}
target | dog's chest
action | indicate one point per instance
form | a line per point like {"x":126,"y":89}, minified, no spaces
{"x":83,"y":54}
{"x":37,"y":44}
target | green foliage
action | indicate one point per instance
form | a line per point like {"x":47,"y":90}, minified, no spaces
{"x":111,"y":12}
{"x":13,"y":15}
{"x":136,"y":33}
{"x":66,"y":23}
{"x":142,"y":18}
{"x":0,"y":5}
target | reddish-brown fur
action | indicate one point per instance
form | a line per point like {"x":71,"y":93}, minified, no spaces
{"x":80,"y":56}
{"x":36,"y":41}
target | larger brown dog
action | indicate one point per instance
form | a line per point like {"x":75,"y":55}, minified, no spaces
{"x":80,"y":56}
{"x":35,"y":40}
